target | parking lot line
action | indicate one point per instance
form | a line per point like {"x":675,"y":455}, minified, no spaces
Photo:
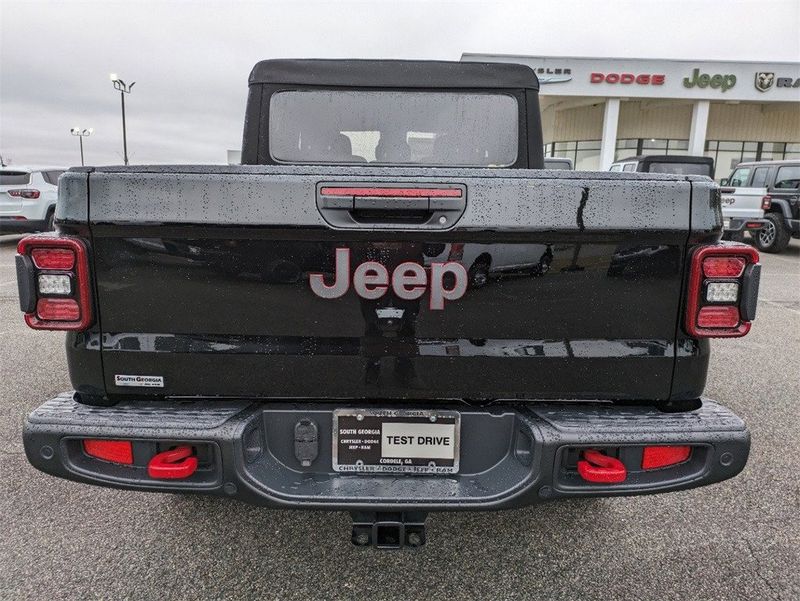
{"x":785,"y":259}
{"x":778,"y":304}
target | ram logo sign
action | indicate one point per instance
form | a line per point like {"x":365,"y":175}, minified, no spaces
{"x":764,"y":81}
{"x":408,"y":281}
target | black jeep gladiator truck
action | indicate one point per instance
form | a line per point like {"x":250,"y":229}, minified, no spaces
{"x":300,"y":332}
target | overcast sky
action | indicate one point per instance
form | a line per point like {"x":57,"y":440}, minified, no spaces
{"x":191,"y":59}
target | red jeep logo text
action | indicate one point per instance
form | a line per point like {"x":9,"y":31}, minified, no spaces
{"x":408,"y":280}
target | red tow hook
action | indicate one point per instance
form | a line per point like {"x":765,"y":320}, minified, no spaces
{"x":174,"y":464}
{"x":596,"y":467}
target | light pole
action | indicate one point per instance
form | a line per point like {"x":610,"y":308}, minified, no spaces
{"x":81,"y":133}
{"x":123,"y":89}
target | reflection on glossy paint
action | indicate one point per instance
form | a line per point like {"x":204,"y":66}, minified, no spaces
{"x":387,"y":347}
{"x":241,"y":298}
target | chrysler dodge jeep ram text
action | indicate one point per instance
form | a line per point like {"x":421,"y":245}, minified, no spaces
{"x":390,"y":308}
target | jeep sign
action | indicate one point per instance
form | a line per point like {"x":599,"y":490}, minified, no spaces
{"x":704,"y":80}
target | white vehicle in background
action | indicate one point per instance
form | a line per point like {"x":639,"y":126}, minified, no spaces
{"x":28,"y":198}
{"x":777,"y":185}
{"x":485,"y":260}
{"x":744,"y":200}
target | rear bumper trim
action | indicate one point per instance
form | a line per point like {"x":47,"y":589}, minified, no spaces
{"x":740,"y":225}
{"x":511,"y":456}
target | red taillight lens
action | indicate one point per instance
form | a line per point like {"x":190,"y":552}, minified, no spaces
{"x":45,"y":258}
{"x":718,"y":317}
{"x":654,"y":458}
{"x":53,"y":258}
{"x":723,"y":288}
{"x":58,"y":309}
{"x":723,"y":267}
{"x":28,"y":193}
{"x":766,"y":202}
{"x":116,"y":451}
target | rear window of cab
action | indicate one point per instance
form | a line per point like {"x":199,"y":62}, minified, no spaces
{"x":394,"y":127}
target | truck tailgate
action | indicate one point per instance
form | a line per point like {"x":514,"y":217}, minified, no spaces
{"x":203,"y":284}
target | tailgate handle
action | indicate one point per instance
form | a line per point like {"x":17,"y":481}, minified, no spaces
{"x":386,"y":206}
{"x":390,"y":203}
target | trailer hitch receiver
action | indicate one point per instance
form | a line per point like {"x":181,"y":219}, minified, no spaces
{"x":389,"y":530}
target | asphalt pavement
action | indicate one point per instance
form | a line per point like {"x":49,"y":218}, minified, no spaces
{"x":739,"y":539}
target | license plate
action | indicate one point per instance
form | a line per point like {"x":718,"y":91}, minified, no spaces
{"x":726,"y":223}
{"x":396,"y":441}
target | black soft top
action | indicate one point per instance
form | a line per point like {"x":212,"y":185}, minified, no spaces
{"x":393,"y":74}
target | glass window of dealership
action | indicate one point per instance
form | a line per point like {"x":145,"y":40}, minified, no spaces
{"x":599,"y":110}
{"x":727,"y":154}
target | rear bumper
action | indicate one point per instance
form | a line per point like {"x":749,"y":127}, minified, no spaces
{"x":744,"y":225}
{"x":511,"y":455}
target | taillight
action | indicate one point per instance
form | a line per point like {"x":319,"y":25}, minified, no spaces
{"x":723,"y":291}
{"x":53,"y":279}
{"x":766,"y":202}
{"x":456,"y":251}
{"x":28,"y":193}
{"x":57,"y":309}
{"x":53,"y":258}
{"x":724,"y":267}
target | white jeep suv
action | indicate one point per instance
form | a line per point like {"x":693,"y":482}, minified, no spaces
{"x":28,"y":198}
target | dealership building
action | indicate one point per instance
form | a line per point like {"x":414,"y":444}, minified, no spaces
{"x":598,"y":110}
